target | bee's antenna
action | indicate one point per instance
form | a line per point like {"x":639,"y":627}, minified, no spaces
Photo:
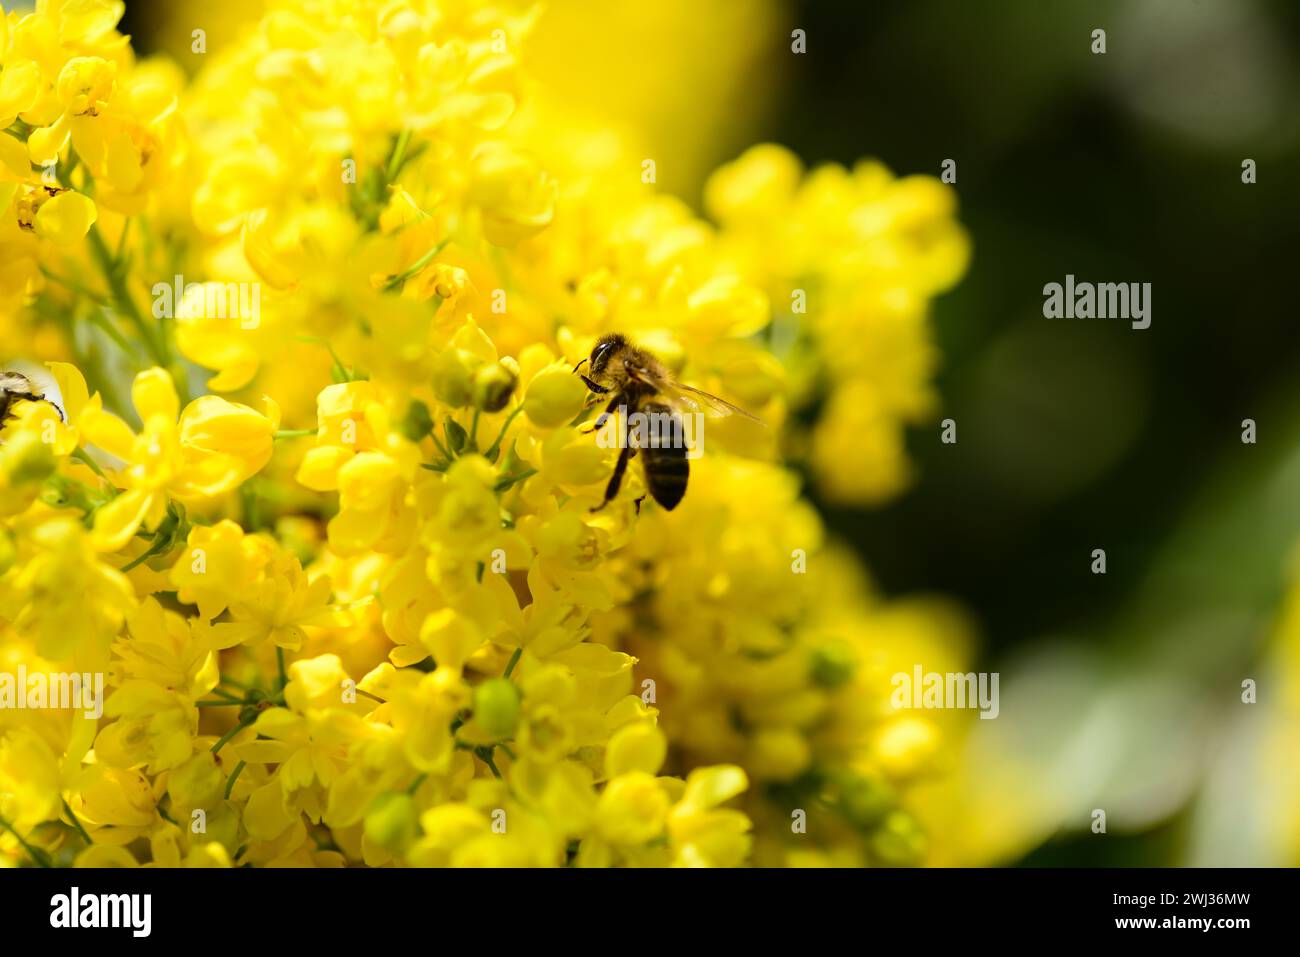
{"x":578,"y":366}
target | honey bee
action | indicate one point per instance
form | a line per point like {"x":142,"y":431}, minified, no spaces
{"x":637,"y":382}
{"x":14,"y":386}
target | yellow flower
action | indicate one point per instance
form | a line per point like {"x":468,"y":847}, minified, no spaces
{"x":277,"y":607}
{"x":63,"y":218}
{"x":61,"y":593}
{"x":26,"y":461}
{"x":516,"y":197}
{"x":30,"y":781}
{"x":219,"y":565}
{"x":703,"y":834}
{"x":632,"y":809}
{"x":474,"y":654}
{"x":213,"y":447}
{"x":85,"y":83}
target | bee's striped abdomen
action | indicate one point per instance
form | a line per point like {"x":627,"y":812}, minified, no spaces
{"x":662,"y":447}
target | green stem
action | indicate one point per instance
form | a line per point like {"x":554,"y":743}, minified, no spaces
{"x":103,"y":322}
{"x":514,"y":660}
{"x":510,"y":480}
{"x":121,"y":242}
{"x":415,"y":785}
{"x":75,"y":286}
{"x":295,"y":433}
{"x":156,"y":548}
{"x":415,"y":267}
{"x":279,"y":660}
{"x":495,"y":448}
{"x":398,"y":159}
{"x":36,"y":854}
{"x":485,"y":755}
{"x":244,"y":722}
{"x":77,"y":824}
{"x":234,"y":776}
{"x":81,"y":455}
{"x":338,"y":363}
{"x":122,"y":295}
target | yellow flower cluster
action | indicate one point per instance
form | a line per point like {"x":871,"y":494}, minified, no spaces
{"x":392,"y":628}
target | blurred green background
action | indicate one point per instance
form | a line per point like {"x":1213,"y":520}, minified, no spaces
{"x":1082,"y":434}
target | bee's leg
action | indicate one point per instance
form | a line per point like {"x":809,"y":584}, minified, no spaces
{"x":620,"y":467}
{"x":637,"y":503}
{"x":604,"y":416}
{"x":592,"y":386}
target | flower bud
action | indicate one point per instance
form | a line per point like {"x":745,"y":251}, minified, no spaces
{"x":759,"y":185}
{"x":453,"y":377}
{"x":392,"y":821}
{"x":779,"y":754}
{"x":496,"y":707}
{"x":417,"y":423}
{"x":899,"y":841}
{"x":864,"y":800}
{"x":517,"y":198}
{"x":493,"y":386}
{"x":832,"y":664}
{"x":27,"y":461}
{"x":85,"y":83}
{"x":554,"y":397}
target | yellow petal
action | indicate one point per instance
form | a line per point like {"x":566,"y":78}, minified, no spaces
{"x":13,"y":159}
{"x":20,"y":85}
{"x":319,"y":469}
{"x":266,"y":815}
{"x":72,"y":386}
{"x":636,"y":747}
{"x":65,"y":219}
{"x":118,"y":520}
{"x":125,"y":169}
{"x":708,"y":787}
{"x":107,"y":431}
{"x":153,"y":394}
{"x":43,"y":145}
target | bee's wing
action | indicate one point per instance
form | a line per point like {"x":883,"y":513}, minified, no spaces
{"x":712,"y":403}
{"x":688,"y":395}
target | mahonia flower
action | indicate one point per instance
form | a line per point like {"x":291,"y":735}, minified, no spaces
{"x":399,"y":631}
{"x":210,"y":449}
{"x":853,"y":257}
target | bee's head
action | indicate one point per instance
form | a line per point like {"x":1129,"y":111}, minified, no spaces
{"x":606,"y":348}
